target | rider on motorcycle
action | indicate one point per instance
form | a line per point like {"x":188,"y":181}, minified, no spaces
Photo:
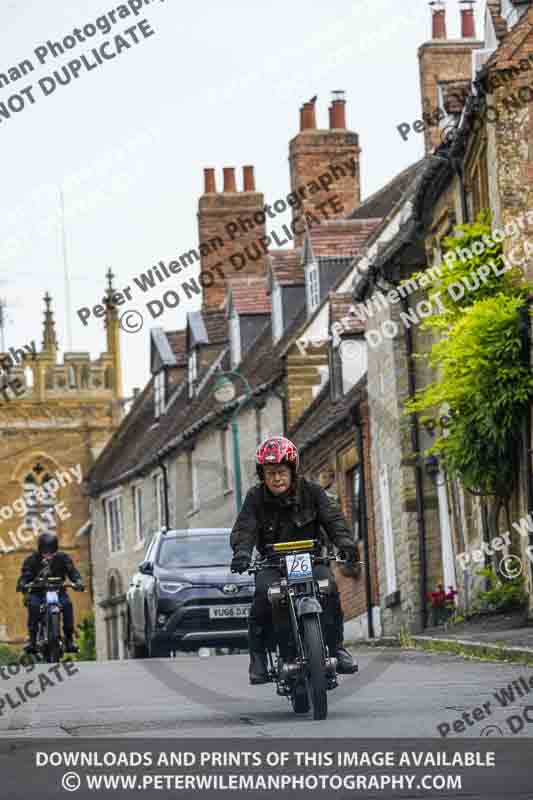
{"x":48,"y":562}
{"x":286,"y":507}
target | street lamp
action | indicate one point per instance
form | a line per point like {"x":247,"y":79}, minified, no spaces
{"x":224,"y":393}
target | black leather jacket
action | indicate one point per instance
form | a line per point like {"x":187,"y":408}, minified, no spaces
{"x":300,"y":514}
{"x":61,"y":566}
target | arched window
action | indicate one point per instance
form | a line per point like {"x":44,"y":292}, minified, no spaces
{"x":49,"y":379}
{"x":108,"y":378}
{"x":72,"y":378}
{"x":40,"y":502}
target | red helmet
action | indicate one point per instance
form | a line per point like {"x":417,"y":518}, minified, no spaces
{"x":276,"y":450}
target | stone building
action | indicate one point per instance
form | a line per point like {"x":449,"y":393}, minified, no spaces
{"x":53,"y":426}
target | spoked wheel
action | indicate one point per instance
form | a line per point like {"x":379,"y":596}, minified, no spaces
{"x":300,"y":699}
{"x":316,"y":676}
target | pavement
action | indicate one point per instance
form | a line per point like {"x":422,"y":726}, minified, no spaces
{"x":504,"y":637}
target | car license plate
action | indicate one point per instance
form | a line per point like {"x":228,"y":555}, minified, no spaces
{"x":228,"y":612}
{"x":299,"y":566}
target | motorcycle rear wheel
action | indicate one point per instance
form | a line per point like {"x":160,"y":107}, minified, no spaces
{"x":316,"y":677}
{"x":53,"y":652}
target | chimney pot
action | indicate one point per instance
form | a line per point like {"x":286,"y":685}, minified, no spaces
{"x":468,"y":23}
{"x":438,"y":20}
{"x":229,"y":179}
{"x":248,"y":179}
{"x":308,"y":116}
{"x":209,"y":181}
{"x":337,"y":116}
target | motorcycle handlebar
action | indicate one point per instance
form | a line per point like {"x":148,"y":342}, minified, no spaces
{"x":40,"y":584}
{"x":259,"y":563}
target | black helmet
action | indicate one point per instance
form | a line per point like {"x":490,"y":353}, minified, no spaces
{"x":47,"y":543}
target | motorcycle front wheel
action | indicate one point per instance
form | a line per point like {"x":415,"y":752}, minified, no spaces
{"x":316,"y":667}
{"x":300,"y":699}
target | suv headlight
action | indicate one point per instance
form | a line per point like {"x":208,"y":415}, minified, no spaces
{"x":174,"y":588}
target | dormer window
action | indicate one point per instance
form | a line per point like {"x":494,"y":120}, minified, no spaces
{"x":313,"y":287}
{"x":192,"y":372}
{"x":159,"y":393}
{"x":235,"y":340}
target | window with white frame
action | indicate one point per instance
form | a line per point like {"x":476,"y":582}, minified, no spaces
{"x":159,"y":393}
{"x":277,"y":312}
{"x":138,"y":513}
{"x":235,"y":334}
{"x":113,"y":517}
{"x":226,"y":471}
{"x":159,"y":499}
{"x":192,"y":477}
{"x":192,"y":371}
{"x":313,"y":287}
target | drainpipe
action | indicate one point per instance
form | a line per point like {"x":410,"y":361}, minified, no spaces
{"x":415,"y":446}
{"x":363,"y":518}
{"x":526,"y":438}
{"x":165,"y":491}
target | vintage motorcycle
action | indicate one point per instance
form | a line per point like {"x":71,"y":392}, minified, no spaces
{"x":50,"y":645}
{"x":303,"y":670}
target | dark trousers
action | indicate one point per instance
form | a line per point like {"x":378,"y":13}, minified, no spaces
{"x":34,"y":605}
{"x":260,"y":621}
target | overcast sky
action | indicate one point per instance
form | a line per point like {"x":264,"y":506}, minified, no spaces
{"x":218,"y":84}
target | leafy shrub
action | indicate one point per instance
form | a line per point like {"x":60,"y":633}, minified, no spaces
{"x":504,"y":594}
{"x":8,"y":655}
{"x":87,"y":639}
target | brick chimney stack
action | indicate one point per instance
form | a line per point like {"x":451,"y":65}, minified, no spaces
{"x":438,"y":19}
{"x":441,"y":59}
{"x":231,"y":224}
{"x":468,"y":23}
{"x":328,"y":154}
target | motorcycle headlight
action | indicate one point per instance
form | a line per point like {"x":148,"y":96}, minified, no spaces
{"x":174,"y":588}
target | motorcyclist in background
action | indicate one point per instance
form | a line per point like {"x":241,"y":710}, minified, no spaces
{"x":285,"y":507}
{"x":49,"y":562}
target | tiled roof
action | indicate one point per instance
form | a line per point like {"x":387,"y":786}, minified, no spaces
{"x":341,"y":238}
{"x":249,"y":295}
{"x":339,"y":310}
{"x":286,"y":266}
{"x":381,"y":202}
{"x":323,"y":415}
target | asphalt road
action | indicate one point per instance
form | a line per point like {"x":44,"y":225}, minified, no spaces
{"x":396,"y":694}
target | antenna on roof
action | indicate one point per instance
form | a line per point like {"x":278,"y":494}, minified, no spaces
{"x":65,"y":267}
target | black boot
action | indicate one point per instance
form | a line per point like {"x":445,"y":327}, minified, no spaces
{"x":70,"y":647}
{"x":345,"y":663}
{"x":31,"y":647}
{"x":258,"y":668}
